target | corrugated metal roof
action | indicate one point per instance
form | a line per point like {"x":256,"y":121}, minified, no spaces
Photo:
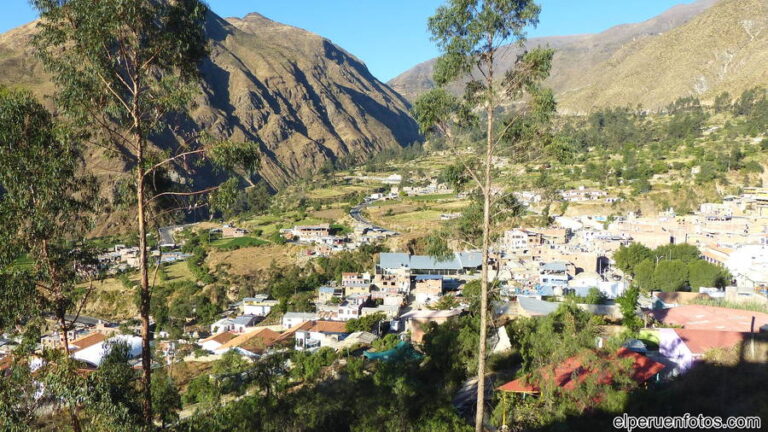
{"x":558,"y":266}
{"x":243,"y":320}
{"x":424,"y":262}
{"x":537,"y":307}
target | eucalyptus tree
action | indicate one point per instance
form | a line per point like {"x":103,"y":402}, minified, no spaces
{"x":46,"y":207}
{"x":473,"y":35}
{"x":126,"y":71}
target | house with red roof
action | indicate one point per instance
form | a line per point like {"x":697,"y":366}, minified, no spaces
{"x":684,"y":347}
{"x":573,"y":371}
{"x":316,"y":334}
{"x":698,"y":317}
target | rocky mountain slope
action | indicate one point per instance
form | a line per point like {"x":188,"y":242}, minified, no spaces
{"x":578,"y":57}
{"x":302,"y":98}
{"x":723,"y":49}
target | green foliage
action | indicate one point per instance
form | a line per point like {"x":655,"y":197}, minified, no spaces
{"x":166,"y":401}
{"x":704,"y":274}
{"x":308,"y":366}
{"x":595,"y":297}
{"x":628,"y":303}
{"x":44,"y":201}
{"x":672,"y":267}
{"x":366,"y":323}
{"x":670,"y":275}
{"x":628,"y":257}
{"x":454,"y":175}
{"x":386,"y":343}
{"x":552,"y":338}
{"x":202,"y":389}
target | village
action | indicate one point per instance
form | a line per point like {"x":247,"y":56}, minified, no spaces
{"x":536,"y":269}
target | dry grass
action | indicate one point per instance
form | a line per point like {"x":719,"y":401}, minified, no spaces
{"x":248,"y":261}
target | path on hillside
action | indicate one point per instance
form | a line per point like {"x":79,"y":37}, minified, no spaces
{"x":356,"y":213}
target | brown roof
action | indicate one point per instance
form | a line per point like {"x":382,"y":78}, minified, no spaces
{"x":221,"y":338}
{"x":306,"y":325}
{"x":698,"y":317}
{"x":569,"y":374}
{"x":329,"y":327}
{"x":257,"y":339}
{"x":87,"y":341}
{"x":701,"y":341}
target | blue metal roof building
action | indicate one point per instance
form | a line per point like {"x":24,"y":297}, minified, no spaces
{"x":428,"y":265}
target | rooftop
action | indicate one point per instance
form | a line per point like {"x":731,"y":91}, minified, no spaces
{"x":701,"y":341}
{"x":87,"y":341}
{"x":403,"y":260}
{"x":572,"y":371}
{"x":697,"y":317}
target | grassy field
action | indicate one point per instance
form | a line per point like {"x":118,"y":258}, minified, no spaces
{"x":249,"y":261}
{"x":237,"y":243}
{"x":435,"y":197}
{"x":336,"y":191}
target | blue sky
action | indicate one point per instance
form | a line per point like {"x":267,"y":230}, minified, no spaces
{"x":390,"y":35}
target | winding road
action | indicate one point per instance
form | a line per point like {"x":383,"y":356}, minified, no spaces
{"x":356,"y":213}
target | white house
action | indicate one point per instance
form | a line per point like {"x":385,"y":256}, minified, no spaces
{"x":258,"y":305}
{"x":214,"y":342}
{"x":96,"y":353}
{"x":317,"y":334}
{"x":222,"y":325}
{"x":292,"y":319}
{"x":244,"y":322}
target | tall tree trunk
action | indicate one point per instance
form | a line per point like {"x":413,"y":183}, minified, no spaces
{"x":146,"y":350}
{"x":65,"y":347}
{"x":487,"y":194}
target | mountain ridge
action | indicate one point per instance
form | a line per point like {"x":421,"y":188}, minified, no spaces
{"x":303,"y":99}
{"x":574,"y":53}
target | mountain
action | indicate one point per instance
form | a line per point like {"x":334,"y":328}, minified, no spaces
{"x":303,"y":99}
{"x":722,"y":49}
{"x":575,"y":54}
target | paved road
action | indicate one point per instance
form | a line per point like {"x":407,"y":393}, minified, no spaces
{"x":357,"y":214}
{"x":166,"y":233}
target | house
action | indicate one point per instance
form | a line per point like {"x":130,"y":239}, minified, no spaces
{"x":684,"y":347}
{"x":244,"y":322}
{"x":427,"y":288}
{"x":460,"y":263}
{"x":258,"y":305}
{"x":229,"y":231}
{"x":311,"y":232}
{"x":417,"y":321}
{"x":553,"y":236}
{"x":584,"y":281}
{"x":387,"y":284}
{"x":356,"y":283}
{"x":292,"y":319}
{"x":325,"y":294}
{"x":390,"y":311}
{"x":214,"y":342}
{"x":554,"y":275}
{"x":252,"y":344}
{"x":93,"y":349}
{"x":749,"y":266}
{"x":698,"y":317}
{"x":317,"y":334}
{"x":520,"y":239}
{"x":87,"y":341}
{"x":352,"y":306}
{"x":223,"y":325}
{"x":573,"y":371}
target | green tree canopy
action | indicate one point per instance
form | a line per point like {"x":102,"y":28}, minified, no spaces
{"x":671,"y":275}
